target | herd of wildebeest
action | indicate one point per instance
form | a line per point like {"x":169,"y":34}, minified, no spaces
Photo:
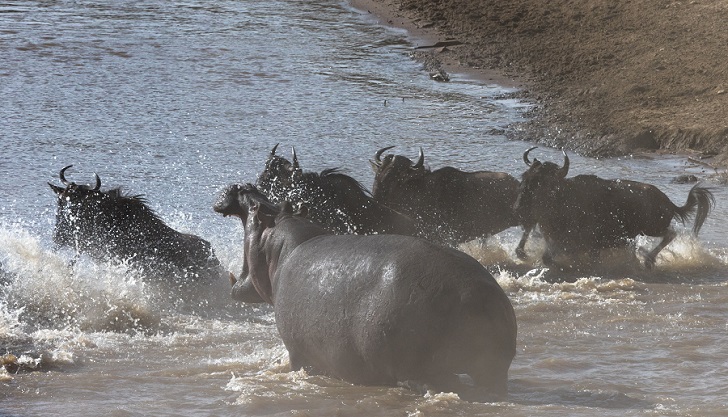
{"x":370,"y":287}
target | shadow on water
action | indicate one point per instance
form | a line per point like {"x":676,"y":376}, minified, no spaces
{"x":293,"y":390}
{"x":527,"y":393}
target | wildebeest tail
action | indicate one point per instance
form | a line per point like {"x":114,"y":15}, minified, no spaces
{"x":700,"y":201}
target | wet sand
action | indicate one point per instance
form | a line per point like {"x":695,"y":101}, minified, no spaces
{"x":607,"y":79}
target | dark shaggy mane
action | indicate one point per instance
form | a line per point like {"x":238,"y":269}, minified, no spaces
{"x":335,"y":174}
{"x":118,"y":194}
{"x":137,"y":201}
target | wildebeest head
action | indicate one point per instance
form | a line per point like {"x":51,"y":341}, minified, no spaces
{"x":74,"y":201}
{"x":279,"y":175}
{"x":539,"y":178}
{"x":395,"y":173}
{"x":110,"y":225}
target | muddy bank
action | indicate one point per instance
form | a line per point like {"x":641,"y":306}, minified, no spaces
{"x":608,"y":78}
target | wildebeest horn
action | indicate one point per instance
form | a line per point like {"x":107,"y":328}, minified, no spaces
{"x":421,"y":161}
{"x":378,"y":155}
{"x":63,"y":176}
{"x":525,"y":155}
{"x":98,"y":182}
{"x":273,"y":151}
{"x":295,"y":158}
{"x":564,"y":169}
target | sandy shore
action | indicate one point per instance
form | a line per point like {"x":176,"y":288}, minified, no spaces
{"x":608,"y":78}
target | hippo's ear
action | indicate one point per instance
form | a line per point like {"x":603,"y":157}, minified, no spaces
{"x":56,"y":189}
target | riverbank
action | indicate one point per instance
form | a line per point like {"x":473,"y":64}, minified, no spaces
{"x":607,"y":79}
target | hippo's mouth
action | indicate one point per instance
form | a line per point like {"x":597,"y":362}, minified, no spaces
{"x":225,"y":208}
{"x":225,"y":212}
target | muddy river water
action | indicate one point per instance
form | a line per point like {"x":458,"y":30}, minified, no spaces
{"x":177,"y":99}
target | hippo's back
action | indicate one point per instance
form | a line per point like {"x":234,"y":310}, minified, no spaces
{"x":386,"y":308}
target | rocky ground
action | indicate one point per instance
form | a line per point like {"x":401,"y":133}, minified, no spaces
{"x":608,"y":78}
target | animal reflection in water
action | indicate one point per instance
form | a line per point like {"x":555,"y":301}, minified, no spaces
{"x":376,"y":309}
{"x":108,"y":225}
{"x":583,"y":215}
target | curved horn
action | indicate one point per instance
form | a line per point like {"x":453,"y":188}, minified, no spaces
{"x":63,"y":176}
{"x":98,"y":182}
{"x":378,"y":155}
{"x":295,"y":158}
{"x":565,"y":168}
{"x":421,"y":161}
{"x":273,"y":151}
{"x":525,"y":155}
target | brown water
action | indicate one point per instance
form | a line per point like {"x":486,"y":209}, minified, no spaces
{"x":178,"y":99}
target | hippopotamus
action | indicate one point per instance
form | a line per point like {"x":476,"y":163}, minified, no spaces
{"x":375,"y":309}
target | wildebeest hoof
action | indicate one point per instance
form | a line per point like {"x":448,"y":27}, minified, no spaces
{"x":649,"y":259}
{"x":547,"y":260}
{"x":521,"y":254}
{"x":649,"y":263}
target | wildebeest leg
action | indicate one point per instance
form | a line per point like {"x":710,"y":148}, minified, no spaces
{"x":72,"y":263}
{"x":548,"y":257}
{"x":595,"y":256}
{"x":521,"y":248}
{"x":651,"y":257}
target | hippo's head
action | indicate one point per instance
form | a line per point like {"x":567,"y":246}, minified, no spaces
{"x":246,"y":201}
{"x":259,"y":216}
{"x":235,"y":200}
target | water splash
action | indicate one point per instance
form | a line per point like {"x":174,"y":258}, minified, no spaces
{"x":686,"y":259}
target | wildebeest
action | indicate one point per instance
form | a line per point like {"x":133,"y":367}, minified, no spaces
{"x":447,"y":204}
{"x":585,"y":214}
{"x":110,"y":225}
{"x":336,"y":201}
{"x":375,"y":309}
